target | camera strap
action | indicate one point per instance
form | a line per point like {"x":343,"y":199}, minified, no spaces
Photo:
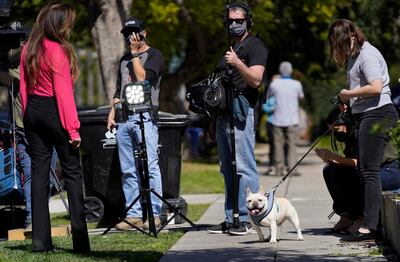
{"x":241,"y":45}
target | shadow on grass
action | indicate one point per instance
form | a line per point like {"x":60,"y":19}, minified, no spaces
{"x":119,"y":255}
{"x":171,"y":228}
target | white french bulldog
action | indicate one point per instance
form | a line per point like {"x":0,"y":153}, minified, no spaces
{"x":282,"y":210}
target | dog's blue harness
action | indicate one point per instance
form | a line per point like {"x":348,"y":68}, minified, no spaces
{"x":270,"y":200}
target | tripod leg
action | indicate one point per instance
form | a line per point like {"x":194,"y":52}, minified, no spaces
{"x":150,"y":218}
{"x":123,"y":219}
{"x":56,"y":182}
{"x":146,"y":180}
{"x":235,"y":179}
{"x":176,"y":211}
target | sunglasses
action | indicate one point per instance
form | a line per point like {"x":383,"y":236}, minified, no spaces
{"x":237,"y":21}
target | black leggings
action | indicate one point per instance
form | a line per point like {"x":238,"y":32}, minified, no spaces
{"x":343,"y":183}
{"x":44,"y":131}
{"x":345,"y":187}
{"x":372,"y":135}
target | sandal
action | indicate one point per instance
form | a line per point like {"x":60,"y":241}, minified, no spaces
{"x":343,"y":224}
{"x":356,"y":225}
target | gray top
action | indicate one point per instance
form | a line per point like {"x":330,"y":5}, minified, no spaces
{"x":287,"y":93}
{"x":368,"y":66}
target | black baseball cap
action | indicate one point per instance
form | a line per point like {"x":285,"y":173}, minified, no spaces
{"x":132,"y":24}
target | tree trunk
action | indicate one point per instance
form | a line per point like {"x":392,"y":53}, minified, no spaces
{"x":106,"y":23}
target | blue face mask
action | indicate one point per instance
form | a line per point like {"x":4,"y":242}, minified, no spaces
{"x":237,"y":29}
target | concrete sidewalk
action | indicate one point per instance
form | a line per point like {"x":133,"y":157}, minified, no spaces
{"x":310,"y":197}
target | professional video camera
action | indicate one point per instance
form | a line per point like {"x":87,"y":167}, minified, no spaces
{"x":10,"y":33}
{"x":208,"y":95}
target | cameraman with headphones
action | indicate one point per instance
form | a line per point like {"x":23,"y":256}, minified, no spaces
{"x":247,"y":58}
{"x":142,"y":63}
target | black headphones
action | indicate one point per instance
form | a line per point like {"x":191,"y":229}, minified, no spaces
{"x":249,"y":15}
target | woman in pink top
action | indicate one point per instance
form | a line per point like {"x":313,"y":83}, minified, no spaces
{"x":48,"y":70}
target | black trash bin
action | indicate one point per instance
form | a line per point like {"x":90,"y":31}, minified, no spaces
{"x":101,"y":168}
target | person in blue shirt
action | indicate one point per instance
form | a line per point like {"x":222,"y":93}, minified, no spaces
{"x":288,"y":93}
{"x":268,"y":108}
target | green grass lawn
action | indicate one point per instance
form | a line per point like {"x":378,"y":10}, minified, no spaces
{"x":201,"y":178}
{"x":196,"y":178}
{"x":112,"y":247}
{"x":130,"y":246}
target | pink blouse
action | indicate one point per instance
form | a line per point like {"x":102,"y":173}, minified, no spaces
{"x":53,"y":80}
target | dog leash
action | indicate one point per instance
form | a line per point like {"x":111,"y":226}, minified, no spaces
{"x":302,"y":158}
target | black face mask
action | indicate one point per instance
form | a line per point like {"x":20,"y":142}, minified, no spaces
{"x":340,"y":136}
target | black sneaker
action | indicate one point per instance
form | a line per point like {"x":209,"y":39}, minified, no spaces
{"x":222,"y":228}
{"x":243,"y":229}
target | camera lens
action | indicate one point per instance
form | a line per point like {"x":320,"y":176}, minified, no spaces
{"x":212,"y":96}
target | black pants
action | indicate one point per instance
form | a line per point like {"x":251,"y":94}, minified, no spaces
{"x":372,"y":135}
{"x":44,"y":131}
{"x":344,"y":186}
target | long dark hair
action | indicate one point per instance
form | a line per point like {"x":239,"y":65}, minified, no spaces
{"x":340,"y":33}
{"x":55,"y":22}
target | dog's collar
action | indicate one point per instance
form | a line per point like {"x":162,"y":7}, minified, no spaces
{"x":270,"y":200}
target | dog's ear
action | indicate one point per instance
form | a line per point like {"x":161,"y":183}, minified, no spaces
{"x":261,"y":190}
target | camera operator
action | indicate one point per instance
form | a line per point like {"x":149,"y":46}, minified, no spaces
{"x":247,"y":58}
{"x":142,"y":63}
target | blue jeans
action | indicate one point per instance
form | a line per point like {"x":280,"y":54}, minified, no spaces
{"x":128,"y":137}
{"x":24,"y":162}
{"x":245,"y":161}
{"x":194,"y":135}
{"x":390,"y":176}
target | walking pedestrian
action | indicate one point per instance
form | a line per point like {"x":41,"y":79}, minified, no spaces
{"x":288,"y":93}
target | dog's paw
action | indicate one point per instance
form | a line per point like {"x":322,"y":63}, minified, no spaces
{"x":273,"y":241}
{"x":300,"y":238}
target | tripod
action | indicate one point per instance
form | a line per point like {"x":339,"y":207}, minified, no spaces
{"x":145,"y":190}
